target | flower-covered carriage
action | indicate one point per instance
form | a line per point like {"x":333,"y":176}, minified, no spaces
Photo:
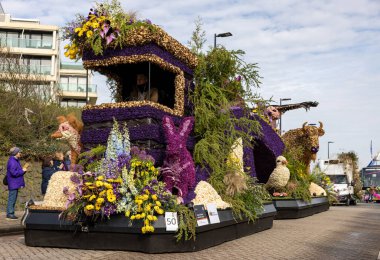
{"x":121,"y":191}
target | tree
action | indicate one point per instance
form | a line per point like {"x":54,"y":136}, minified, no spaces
{"x":223,"y":80}
{"x":28,"y":107}
{"x":351,"y":159}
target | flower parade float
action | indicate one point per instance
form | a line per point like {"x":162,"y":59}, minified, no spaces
{"x":295,"y":191}
{"x":177,"y":174}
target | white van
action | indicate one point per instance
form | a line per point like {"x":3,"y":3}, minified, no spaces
{"x":341,"y":175}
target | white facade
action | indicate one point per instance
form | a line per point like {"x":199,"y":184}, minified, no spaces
{"x":75,"y":86}
{"x":37,"y":48}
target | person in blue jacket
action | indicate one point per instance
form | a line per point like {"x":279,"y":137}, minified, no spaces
{"x":47,"y":171}
{"x":58,"y":161}
{"x":15,"y":178}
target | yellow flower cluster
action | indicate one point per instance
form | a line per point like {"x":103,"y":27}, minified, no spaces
{"x":148,"y":206}
{"x":144,"y":169}
{"x":327,"y":180}
{"x":71,"y":51}
{"x":87,"y":31}
{"x":88,"y":27}
{"x":101,"y":191}
{"x":233,"y":161}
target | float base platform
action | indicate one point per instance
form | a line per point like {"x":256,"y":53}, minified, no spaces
{"x":43,"y":229}
{"x":297,"y":208}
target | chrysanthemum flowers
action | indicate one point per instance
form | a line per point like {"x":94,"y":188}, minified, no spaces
{"x":148,"y":207}
{"x":99,"y":194}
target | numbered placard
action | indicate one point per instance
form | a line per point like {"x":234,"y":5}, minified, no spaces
{"x":213,"y":213}
{"x":171,"y":221}
{"x":200,"y":215}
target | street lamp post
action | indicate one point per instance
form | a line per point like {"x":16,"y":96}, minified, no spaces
{"x":227,"y":34}
{"x":328,"y":149}
{"x":282,"y":99}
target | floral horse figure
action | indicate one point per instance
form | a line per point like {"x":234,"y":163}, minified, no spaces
{"x":69,"y":129}
{"x":178,"y":169}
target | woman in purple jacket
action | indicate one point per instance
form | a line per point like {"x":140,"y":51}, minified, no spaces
{"x":15,"y":177}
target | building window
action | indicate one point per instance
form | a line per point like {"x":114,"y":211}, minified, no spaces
{"x":37,"y":65}
{"x":28,"y":39}
{"x":73,"y":103}
{"x":74,"y":84}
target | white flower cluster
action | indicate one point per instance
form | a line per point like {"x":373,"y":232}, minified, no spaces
{"x":54,"y":196}
{"x":128,"y":189}
{"x":207,"y":194}
{"x":118,"y":141}
{"x":316,"y":190}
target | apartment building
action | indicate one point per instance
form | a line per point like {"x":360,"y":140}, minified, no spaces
{"x":37,"y":50}
{"x":75,"y":85}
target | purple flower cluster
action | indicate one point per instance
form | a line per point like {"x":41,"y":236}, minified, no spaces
{"x":260,"y":161}
{"x":94,"y":135}
{"x":124,"y":113}
{"x":141,"y":154}
{"x":202,"y":174}
{"x":142,"y":132}
{"x":108,"y":33}
{"x":123,"y":160}
{"x":150,"y":48}
{"x":181,"y":175}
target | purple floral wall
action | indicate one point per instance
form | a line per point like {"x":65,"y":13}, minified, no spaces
{"x":150,"y":48}
{"x":260,"y":161}
{"x":93,"y":135}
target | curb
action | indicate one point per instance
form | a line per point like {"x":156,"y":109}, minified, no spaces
{"x":12,"y":227}
{"x":13,"y":230}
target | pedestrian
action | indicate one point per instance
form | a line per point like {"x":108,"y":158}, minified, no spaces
{"x":372,"y":191}
{"x":67,"y":160}
{"x":59,"y":164}
{"x":15,"y":178}
{"x":47,"y":171}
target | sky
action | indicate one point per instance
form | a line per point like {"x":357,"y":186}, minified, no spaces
{"x":322,"y":50}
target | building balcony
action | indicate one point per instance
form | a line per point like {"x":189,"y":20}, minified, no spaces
{"x":26,"y":43}
{"x":92,"y":88}
{"x":25,"y":69}
{"x":71,"y":66}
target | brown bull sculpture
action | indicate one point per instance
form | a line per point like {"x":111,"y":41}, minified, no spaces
{"x":303,"y":143}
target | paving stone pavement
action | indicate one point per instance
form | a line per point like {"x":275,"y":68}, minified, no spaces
{"x":340,"y":233}
{"x":10,"y":226}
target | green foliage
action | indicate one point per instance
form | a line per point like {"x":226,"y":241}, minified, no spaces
{"x":351,"y":156}
{"x":250,"y":202}
{"x":198,"y":38}
{"x":352,"y":159}
{"x":216,"y":127}
{"x":96,"y":44}
{"x":320,"y":178}
{"x":222,"y":80}
{"x":33,"y":138}
{"x":91,"y":159}
{"x":299,"y":182}
{"x":187,"y":223}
